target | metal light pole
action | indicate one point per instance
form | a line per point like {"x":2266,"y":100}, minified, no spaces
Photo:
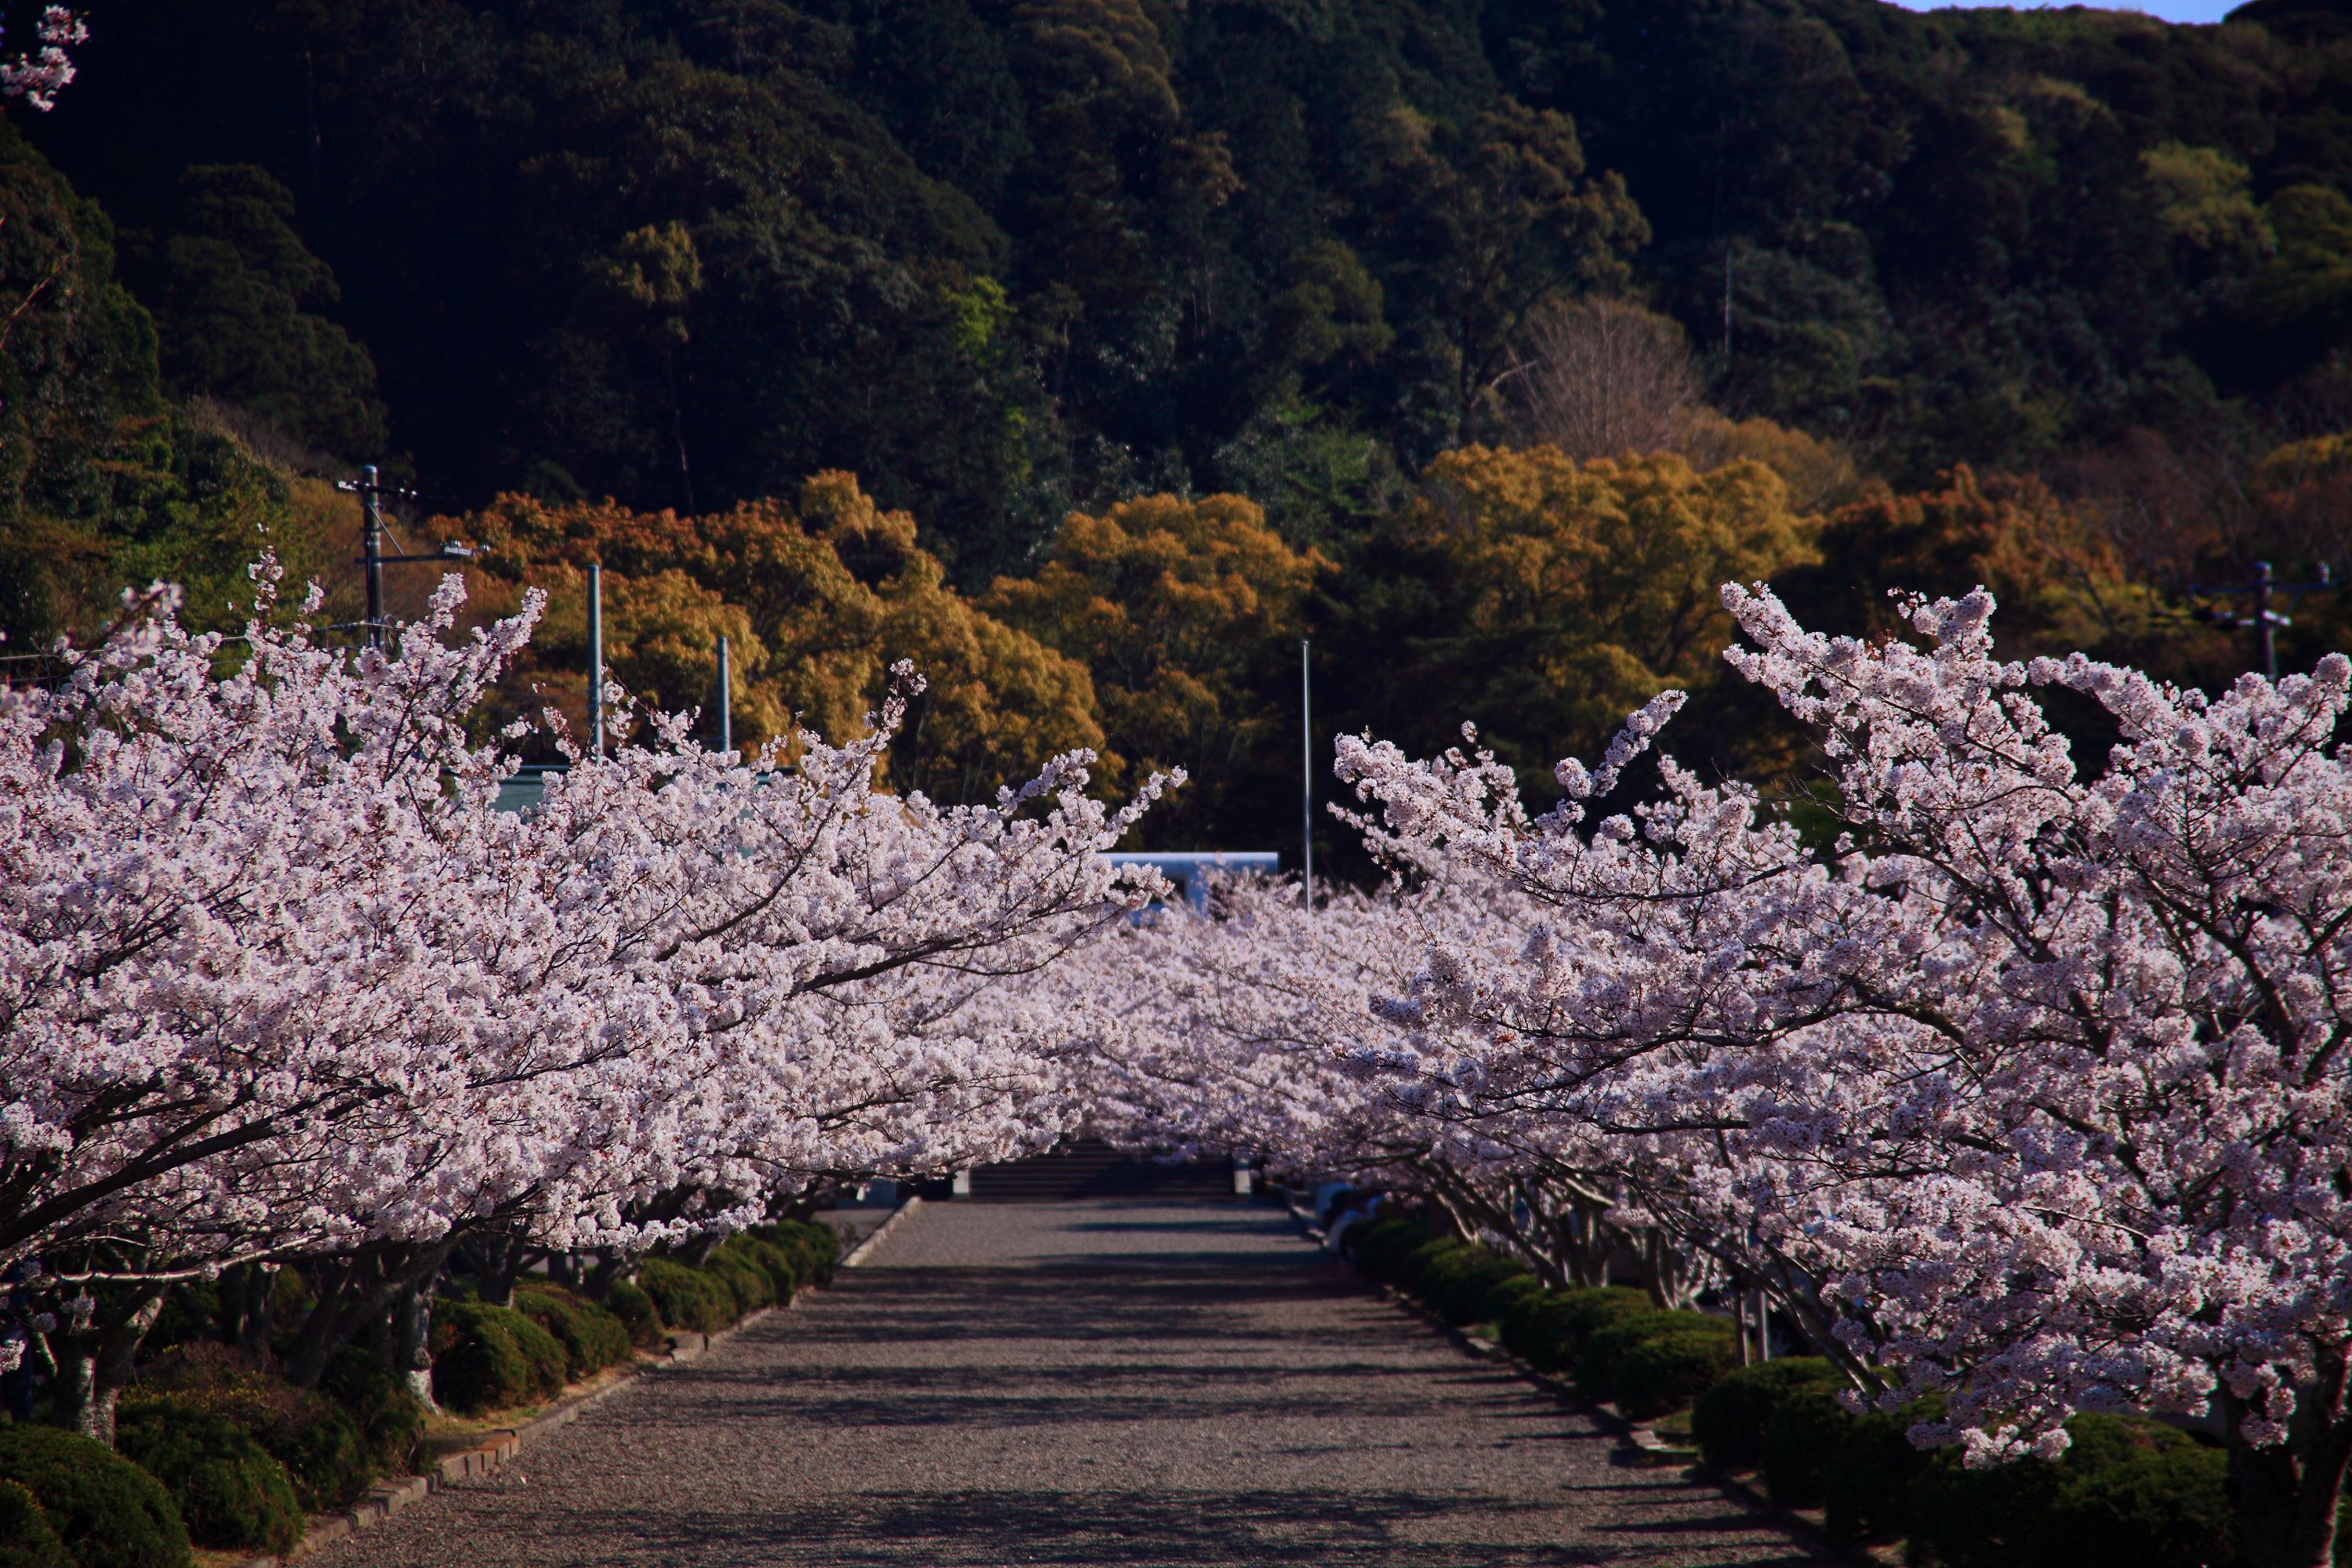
{"x":596,"y":659}
{"x":725,"y":702}
{"x":1307,"y":768}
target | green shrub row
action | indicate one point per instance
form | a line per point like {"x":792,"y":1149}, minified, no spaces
{"x":210,"y":1449}
{"x":1619,"y":1347}
{"x":2127,"y":1490}
{"x":215,"y":1451}
{"x":100,"y":1509}
{"x":487,"y":1358}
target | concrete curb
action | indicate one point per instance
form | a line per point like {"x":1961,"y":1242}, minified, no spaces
{"x":864,"y":1249}
{"x":495,"y":1449}
{"x":1805,"y":1524}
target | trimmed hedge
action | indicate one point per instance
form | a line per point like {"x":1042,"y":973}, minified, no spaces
{"x":774,"y":1266}
{"x":1873,"y":1482}
{"x":2128,"y":1490}
{"x":1455,"y":1284}
{"x":108,"y":1511}
{"x":27,"y":1538}
{"x":231,"y":1494}
{"x":815,"y":1249}
{"x":1548,"y":1330}
{"x":485,"y":1358}
{"x":1507,"y":1295}
{"x":1800,"y":1443}
{"x":1380,"y":1248}
{"x":687,"y":1297}
{"x":321,"y":1445}
{"x":1662,"y":1363}
{"x":389,"y":1418}
{"x":592,"y":1338}
{"x":635,"y":1309}
{"x":1729,"y":1419}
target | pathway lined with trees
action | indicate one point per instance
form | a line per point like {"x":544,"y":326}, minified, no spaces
{"x":1081,"y":1382}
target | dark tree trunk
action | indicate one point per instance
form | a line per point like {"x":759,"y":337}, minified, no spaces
{"x":249,"y":1295}
{"x":496,"y":1259}
{"x":2286,"y":1495}
{"x":356,"y":1294}
{"x":409,"y":1345}
{"x":94,"y":1361}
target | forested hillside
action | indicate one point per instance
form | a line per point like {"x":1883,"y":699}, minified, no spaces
{"x":1477,"y":339}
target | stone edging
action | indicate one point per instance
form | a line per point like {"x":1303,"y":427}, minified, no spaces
{"x":864,"y":1249}
{"x":497,"y":1447}
{"x":1640,"y":1433}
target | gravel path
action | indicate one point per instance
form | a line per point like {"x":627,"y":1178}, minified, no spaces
{"x":1080,"y":1383}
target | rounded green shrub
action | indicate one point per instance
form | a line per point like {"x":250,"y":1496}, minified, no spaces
{"x":231,"y":1494}
{"x":687,"y":1297}
{"x":2128,"y":1490}
{"x":391,"y":1419}
{"x":1456,"y":1286}
{"x":1506,"y":1293}
{"x":108,"y":1512}
{"x":485,"y":1358}
{"x":1588,"y":1311}
{"x":1872,"y":1482}
{"x":772,"y":1262}
{"x":1414,"y":1270}
{"x":320,"y":1443}
{"x":2165,"y":1504}
{"x":1381,"y":1246}
{"x":592,"y":1338}
{"x":636,"y":1311}
{"x":1800,"y":1443}
{"x":815,"y":1249}
{"x":1729,"y":1419}
{"x":748,"y":1287}
{"x":1665,"y":1369}
{"x":27,"y":1538}
{"x":1535,"y":1329}
{"x":824,"y":1245}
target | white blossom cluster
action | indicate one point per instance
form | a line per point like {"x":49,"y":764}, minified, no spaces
{"x":39,"y":75}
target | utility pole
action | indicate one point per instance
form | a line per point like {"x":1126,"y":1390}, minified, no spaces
{"x":372,"y":551}
{"x":370,"y":487}
{"x":725,"y":702}
{"x":596,"y":657}
{"x":2264,"y":622}
{"x":1307,"y":769}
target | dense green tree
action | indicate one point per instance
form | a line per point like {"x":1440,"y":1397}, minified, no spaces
{"x":232,"y":288}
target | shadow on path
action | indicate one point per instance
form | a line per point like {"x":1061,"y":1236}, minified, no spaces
{"x":1102,"y":1381}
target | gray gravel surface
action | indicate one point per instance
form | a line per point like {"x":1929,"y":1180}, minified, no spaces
{"x":1085,"y":1382}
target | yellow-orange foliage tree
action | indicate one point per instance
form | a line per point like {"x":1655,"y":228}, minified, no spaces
{"x":817,"y":600}
{"x":1185,"y":611}
{"x":1555,"y":596}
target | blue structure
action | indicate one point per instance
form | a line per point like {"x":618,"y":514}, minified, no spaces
{"x":1186,"y":869}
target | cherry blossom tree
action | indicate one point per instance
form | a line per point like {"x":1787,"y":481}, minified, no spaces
{"x":2032,"y":1090}
{"x":278,"y":980}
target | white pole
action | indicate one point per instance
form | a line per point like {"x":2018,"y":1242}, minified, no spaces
{"x":725,"y":702}
{"x":1306,"y":770}
{"x":596,"y":657}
